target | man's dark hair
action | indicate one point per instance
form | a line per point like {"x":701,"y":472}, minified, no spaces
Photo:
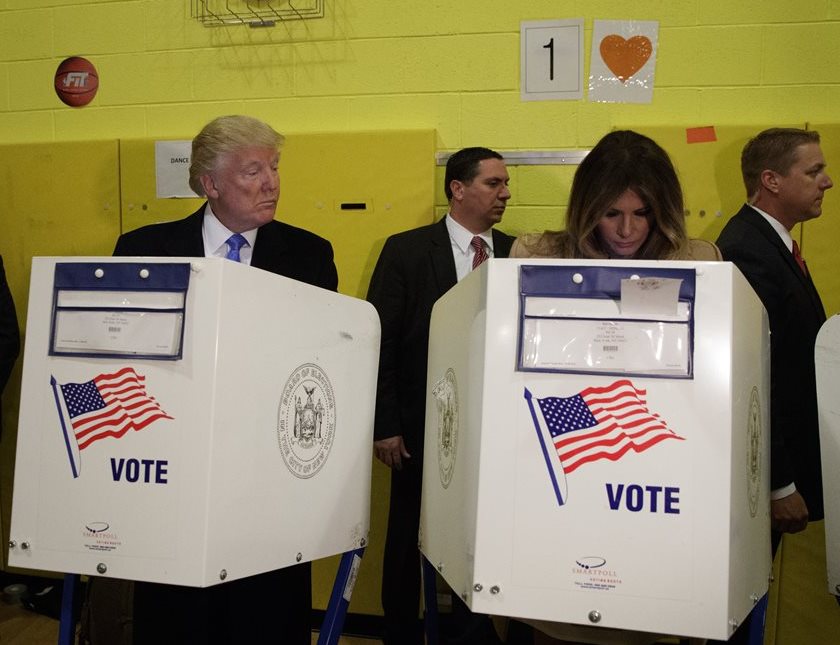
{"x":463,"y":166}
{"x":773,"y":149}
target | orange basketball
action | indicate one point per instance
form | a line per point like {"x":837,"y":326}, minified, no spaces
{"x":76,"y":81}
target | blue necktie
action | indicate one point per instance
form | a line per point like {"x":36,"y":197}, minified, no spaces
{"x":235,"y":242}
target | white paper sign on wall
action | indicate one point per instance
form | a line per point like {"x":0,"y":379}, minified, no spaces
{"x":551,"y":60}
{"x":623,"y":61}
{"x":172,"y":169}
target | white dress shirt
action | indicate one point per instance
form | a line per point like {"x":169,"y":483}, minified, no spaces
{"x":215,"y":236}
{"x":777,"y":226}
{"x":462,"y":250}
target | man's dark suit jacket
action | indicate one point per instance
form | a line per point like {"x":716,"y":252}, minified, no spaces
{"x":279,"y":248}
{"x":415,"y":268}
{"x":276,"y":605}
{"x":796,"y":315}
{"x":9,"y":333}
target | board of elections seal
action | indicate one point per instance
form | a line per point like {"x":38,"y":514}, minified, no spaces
{"x":306,"y":420}
{"x":445,"y":393}
{"x":753,"y":451}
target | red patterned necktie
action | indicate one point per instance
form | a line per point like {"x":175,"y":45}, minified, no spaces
{"x":480,"y":252}
{"x":799,"y":259}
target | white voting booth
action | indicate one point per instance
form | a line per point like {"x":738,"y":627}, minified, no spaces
{"x":190,"y":421}
{"x":597,"y":444}
{"x":827,"y":357}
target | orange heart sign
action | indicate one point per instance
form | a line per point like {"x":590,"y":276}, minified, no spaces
{"x":625,"y":57}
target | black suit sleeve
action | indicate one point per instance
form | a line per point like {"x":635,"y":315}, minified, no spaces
{"x":387,"y":293}
{"x":327,"y":274}
{"x":414,"y":269}
{"x":299,"y":255}
{"x":502,"y":244}
{"x":295,"y":253}
{"x":788,"y":361}
{"x":140,"y":242}
{"x":123,"y":247}
{"x":9,"y":332}
{"x":161,"y":240}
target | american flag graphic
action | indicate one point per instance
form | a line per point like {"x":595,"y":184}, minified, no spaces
{"x":597,"y":423}
{"x":109,"y":405}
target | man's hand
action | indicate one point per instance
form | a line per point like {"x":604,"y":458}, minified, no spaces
{"x":789,"y":514}
{"x":391,"y":451}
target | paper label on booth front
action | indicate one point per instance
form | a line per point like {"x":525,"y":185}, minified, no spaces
{"x":650,"y":297}
{"x":118,"y":332}
{"x":617,"y":346}
{"x":352,"y":575}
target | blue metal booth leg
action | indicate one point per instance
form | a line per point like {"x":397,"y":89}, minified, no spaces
{"x":67,"y":626}
{"x":430,"y":618}
{"x":345,"y":579}
{"x":757,"y":619}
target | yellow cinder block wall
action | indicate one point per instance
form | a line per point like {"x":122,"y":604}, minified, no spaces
{"x":393,"y":64}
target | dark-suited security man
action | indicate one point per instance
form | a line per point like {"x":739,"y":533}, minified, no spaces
{"x":785,"y":177}
{"x":414,"y":269}
{"x":234,"y":164}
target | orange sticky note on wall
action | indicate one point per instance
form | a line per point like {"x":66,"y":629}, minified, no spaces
{"x":705,"y":134}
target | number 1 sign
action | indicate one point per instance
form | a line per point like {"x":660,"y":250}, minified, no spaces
{"x":551,"y":59}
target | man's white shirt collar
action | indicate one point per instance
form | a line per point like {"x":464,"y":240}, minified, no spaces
{"x":215,"y":236}
{"x":777,"y":226}
{"x":462,"y":250}
{"x":461,"y":237}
